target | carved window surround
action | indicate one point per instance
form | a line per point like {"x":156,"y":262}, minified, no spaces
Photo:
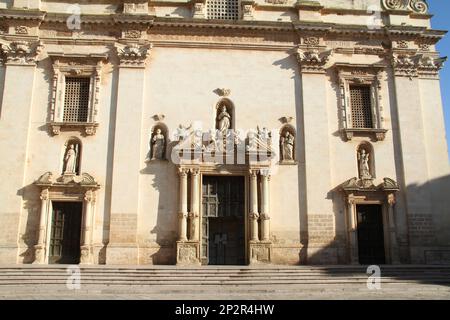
{"x":356,"y":192}
{"x":66,"y":188}
{"x":66,"y":65}
{"x":372,"y":76}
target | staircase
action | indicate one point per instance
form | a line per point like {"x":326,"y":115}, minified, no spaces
{"x":264,"y":282}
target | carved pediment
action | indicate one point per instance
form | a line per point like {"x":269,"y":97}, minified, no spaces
{"x":85,"y":180}
{"x":367,"y":185}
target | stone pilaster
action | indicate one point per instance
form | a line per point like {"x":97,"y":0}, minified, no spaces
{"x":254,"y":214}
{"x":352,"y":230}
{"x":394,"y":252}
{"x":16,"y":109}
{"x":122,"y":246}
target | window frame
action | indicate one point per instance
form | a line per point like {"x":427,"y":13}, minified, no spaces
{"x":67,"y":66}
{"x":361,"y":75}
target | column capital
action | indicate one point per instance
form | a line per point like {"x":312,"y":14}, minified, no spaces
{"x":311,"y":60}
{"x":89,"y":196}
{"x":391,"y":199}
{"x":265,"y":173}
{"x":133,"y":55}
{"x":45,"y":195}
{"x":253,"y":173}
{"x":182,"y":172}
{"x":194,"y":171}
{"x":21,"y":52}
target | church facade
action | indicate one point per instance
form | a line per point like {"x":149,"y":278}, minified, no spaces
{"x":222,"y":132}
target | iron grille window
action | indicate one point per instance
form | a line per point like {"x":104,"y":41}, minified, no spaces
{"x":361,"y":107}
{"x":76,"y":99}
{"x":223,"y":9}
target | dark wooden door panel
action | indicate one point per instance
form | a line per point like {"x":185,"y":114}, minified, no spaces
{"x":370,"y":234}
{"x":65,"y":233}
{"x":223,"y":234}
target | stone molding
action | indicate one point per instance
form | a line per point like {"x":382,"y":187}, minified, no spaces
{"x":312,"y":60}
{"x":411,"y":65}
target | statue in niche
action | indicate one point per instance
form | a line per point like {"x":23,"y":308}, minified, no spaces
{"x":71,"y":159}
{"x":287,"y":146}
{"x":223,"y":120}
{"x":158,"y":145}
{"x":364,"y":167}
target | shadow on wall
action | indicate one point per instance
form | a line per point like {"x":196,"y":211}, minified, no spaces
{"x":166,"y":220}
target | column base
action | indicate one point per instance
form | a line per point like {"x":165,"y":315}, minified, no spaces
{"x":86,"y":256}
{"x":260,"y":252}
{"x":188,"y":253}
{"x":39,"y":254}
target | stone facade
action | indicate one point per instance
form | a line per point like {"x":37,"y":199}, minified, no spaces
{"x":278,"y":80}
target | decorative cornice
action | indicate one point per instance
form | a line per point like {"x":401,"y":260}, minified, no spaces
{"x":133,"y":54}
{"x":21,"y":52}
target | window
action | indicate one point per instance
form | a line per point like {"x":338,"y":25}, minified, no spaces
{"x":222,"y":9}
{"x":76,"y":99}
{"x":75,"y":93}
{"x":361,"y":107}
{"x":360,"y":101}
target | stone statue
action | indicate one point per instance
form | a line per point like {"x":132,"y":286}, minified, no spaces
{"x":158,"y":145}
{"x":364,"y":168}
{"x":223,"y":121}
{"x":70,"y":160}
{"x":287,"y":146}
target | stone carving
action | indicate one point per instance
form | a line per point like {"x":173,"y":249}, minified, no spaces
{"x":417,"y":6}
{"x":46,"y":178}
{"x":21,"y":52}
{"x":404,"y":65}
{"x":158,"y":144}
{"x":21,"y":30}
{"x":311,"y":41}
{"x":419,"y":65}
{"x":223,"y":120}
{"x":390,"y":184}
{"x":187,"y":255}
{"x":223,"y":92}
{"x":312,"y":60}
{"x":363,"y":164}
{"x":133,"y":54}
{"x":276,"y":1}
{"x":287,"y":144}
{"x":402,"y":44}
{"x":132,"y":34}
{"x":355,"y":184}
{"x":84,"y":180}
{"x":71,"y":159}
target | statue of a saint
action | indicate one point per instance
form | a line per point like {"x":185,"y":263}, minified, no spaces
{"x":287,"y":146}
{"x":223,"y":121}
{"x":70,"y":160}
{"x":158,"y":144}
{"x":364,"y":168}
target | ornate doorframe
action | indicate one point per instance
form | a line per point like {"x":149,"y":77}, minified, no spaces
{"x":356,"y":192}
{"x":67,"y":188}
{"x":258,"y":248}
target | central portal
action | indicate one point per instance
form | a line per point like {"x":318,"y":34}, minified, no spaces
{"x":223,"y":220}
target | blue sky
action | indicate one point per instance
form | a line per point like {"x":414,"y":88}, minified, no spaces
{"x":441,"y":21}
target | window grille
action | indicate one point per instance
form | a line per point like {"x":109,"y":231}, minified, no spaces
{"x":222,"y":9}
{"x":76,"y":100}
{"x":361,"y":107}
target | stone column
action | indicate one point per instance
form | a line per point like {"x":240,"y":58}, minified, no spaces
{"x":194,"y":214}
{"x":183,"y":213}
{"x":254,"y":215}
{"x":123,"y":248}
{"x":40,"y":248}
{"x":265,"y":206}
{"x":17,"y":106}
{"x":352,"y":231}
{"x":395,"y":259}
{"x":86,"y":247}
